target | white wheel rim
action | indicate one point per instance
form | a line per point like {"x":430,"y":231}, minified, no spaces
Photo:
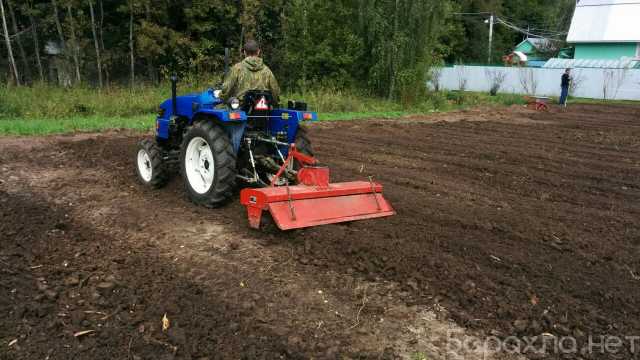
{"x":144,"y":165}
{"x":199,"y":165}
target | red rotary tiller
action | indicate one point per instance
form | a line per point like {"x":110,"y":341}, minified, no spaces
{"x":314,"y":200}
{"x":538,"y":103}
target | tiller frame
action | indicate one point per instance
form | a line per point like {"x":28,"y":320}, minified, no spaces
{"x":314,"y":200}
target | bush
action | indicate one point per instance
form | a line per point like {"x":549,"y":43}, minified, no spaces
{"x":436,"y":100}
{"x":456,"y":97}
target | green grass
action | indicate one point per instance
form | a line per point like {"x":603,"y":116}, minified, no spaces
{"x":47,"y":102}
{"x":73,"y":124}
{"x":418,"y":356}
{"x":42,"y":109}
{"x":573,"y":100}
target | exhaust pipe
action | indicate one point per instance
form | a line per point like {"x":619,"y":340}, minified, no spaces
{"x":174,"y":90}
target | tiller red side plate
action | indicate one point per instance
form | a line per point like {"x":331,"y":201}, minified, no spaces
{"x":314,"y":201}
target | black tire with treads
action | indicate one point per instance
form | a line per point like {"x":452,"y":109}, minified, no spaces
{"x":224,"y":183}
{"x":303,"y":144}
{"x":159,"y":170}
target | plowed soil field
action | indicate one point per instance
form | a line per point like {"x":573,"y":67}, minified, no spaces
{"x":509,"y":223}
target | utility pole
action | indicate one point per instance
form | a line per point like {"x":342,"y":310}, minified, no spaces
{"x":491,"y":20}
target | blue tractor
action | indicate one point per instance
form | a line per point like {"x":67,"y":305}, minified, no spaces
{"x":220,"y":146}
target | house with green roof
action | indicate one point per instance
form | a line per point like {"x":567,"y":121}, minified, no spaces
{"x":606,"y":29}
{"x":536,"y":49}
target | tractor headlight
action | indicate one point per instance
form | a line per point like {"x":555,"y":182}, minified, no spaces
{"x":234,"y":103}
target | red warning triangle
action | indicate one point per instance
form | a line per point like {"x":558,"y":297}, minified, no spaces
{"x":262,"y":104}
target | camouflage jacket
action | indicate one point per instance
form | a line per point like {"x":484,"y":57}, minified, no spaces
{"x":250,"y":74}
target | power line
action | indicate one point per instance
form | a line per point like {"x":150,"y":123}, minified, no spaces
{"x":541,"y":27}
{"x":548,"y":35}
{"x":503,"y":20}
{"x":523,"y":31}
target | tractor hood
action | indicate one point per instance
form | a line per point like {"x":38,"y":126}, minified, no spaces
{"x":253,"y":63}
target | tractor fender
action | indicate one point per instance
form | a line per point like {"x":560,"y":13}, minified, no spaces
{"x":224,"y":116}
{"x":233,"y":127}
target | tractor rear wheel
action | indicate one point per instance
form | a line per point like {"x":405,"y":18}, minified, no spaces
{"x":208,"y":164}
{"x":303,"y":144}
{"x":151,"y":169}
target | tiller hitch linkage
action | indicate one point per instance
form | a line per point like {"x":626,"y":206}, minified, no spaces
{"x":314,"y":201}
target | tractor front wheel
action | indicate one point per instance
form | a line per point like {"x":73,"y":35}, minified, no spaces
{"x":151,"y":169}
{"x":208,"y":164}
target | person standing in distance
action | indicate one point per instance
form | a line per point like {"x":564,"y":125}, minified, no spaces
{"x":565,"y":83}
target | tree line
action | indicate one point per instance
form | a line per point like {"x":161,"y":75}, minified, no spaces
{"x":385,"y":47}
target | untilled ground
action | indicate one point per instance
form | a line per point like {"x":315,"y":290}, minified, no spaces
{"x":510,"y":223}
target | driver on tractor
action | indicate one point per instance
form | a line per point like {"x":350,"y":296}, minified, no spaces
{"x":250,"y":74}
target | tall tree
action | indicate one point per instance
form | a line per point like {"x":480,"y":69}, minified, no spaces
{"x":320,"y":46}
{"x":383,"y":47}
{"x":12,"y":61}
{"x":30,"y":10}
{"x":398,"y":57}
{"x":132,"y":56}
{"x":26,"y":69}
{"x":248,"y":19}
{"x":63,"y":44}
{"x":75,"y":46}
{"x":102,"y":48}
{"x":95,"y":42}
{"x":56,"y":18}
{"x":151,"y":72}
{"x":393,"y":51}
{"x":213,"y":25}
